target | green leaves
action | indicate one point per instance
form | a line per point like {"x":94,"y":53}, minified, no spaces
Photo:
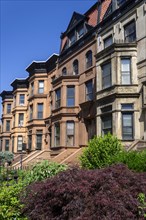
{"x":142,"y":206}
{"x":100,"y":152}
{"x":6,"y":156}
{"x":10,"y":206}
{"x":43,"y":170}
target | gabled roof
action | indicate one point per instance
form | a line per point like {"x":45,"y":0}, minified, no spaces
{"x":76,"y":18}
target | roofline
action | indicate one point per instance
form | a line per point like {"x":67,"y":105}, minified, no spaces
{"x":43,"y":61}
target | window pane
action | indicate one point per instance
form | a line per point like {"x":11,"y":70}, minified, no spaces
{"x":125,"y":64}
{"x":88,"y":59}
{"x":19,"y":144}
{"x":64,"y":71}
{"x":89,"y":90}
{"x":127,"y":106}
{"x":57,"y":134}
{"x":8,"y":108}
{"x":126,"y":79}
{"x":107,"y":124}
{"x":70,"y":133}
{"x":108,"y":41}
{"x":70,"y":128}
{"x":130,"y":32}
{"x":106,"y":75}
{"x":58,"y":98}
{"x":70,"y":96}
{"x":39,"y":141}
{"x":75,"y":67}
{"x":21,"y":119}
{"x":6,"y":145}
{"x":21,"y":99}
{"x":40,"y":111}
{"x":41,"y":87}
{"x":127,"y":120}
{"x":127,"y":126}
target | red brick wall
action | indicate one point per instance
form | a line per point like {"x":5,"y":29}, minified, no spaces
{"x":104,"y":7}
{"x":93,"y":18}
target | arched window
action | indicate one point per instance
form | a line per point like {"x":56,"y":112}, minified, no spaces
{"x":88,"y":59}
{"x":75,"y":67}
{"x":64,"y":71}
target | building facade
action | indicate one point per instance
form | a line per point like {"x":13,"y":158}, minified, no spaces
{"x":96,"y":85}
{"x":121,"y":72}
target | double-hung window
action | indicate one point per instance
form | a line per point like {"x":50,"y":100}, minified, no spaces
{"x":19,"y":143}
{"x":21,"y":119}
{"x":40,"y":110}
{"x":130,"y":32}
{"x":126,"y":71}
{"x":21,"y":99}
{"x":127,"y":121}
{"x":57,"y":134}
{"x":8,"y":108}
{"x":70,"y":96}
{"x":39,"y":136}
{"x":80,"y":31}
{"x":88,"y":59}
{"x":30,"y":139}
{"x":7,"y":144}
{"x":72,"y":38}
{"x":41,"y":87}
{"x":108,"y":41}
{"x":7,"y":125}
{"x":58,"y":98}
{"x":70,"y":133}
{"x":106,"y":119}
{"x":64,"y":71}
{"x":89,"y":90}
{"x":75,"y":67}
{"x":106,"y":75}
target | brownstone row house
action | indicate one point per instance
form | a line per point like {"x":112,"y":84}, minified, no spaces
{"x":97,"y":84}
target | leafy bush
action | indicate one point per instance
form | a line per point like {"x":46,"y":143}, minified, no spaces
{"x":100,"y":152}
{"x":135,"y":160}
{"x":43,"y":170}
{"x":10,"y":206}
{"x":109,"y":193}
{"x":142,"y":207}
{"x":6,"y":156}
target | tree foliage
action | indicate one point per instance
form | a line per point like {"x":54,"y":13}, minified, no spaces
{"x":109,"y":193}
{"x":100,"y":151}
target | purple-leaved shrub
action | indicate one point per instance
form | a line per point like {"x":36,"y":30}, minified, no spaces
{"x":76,"y":194}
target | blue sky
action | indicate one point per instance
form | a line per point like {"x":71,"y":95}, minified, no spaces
{"x":30,"y":30}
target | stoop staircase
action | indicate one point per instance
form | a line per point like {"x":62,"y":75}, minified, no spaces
{"x":138,"y":145}
{"x":64,"y":156}
{"x":32,"y":158}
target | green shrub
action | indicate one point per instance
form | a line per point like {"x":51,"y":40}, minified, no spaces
{"x":6,"y":156}
{"x":43,"y":170}
{"x":135,"y":160}
{"x":142,"y":206}
{"x":10,"y":206}
{"x":100,"y":152}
